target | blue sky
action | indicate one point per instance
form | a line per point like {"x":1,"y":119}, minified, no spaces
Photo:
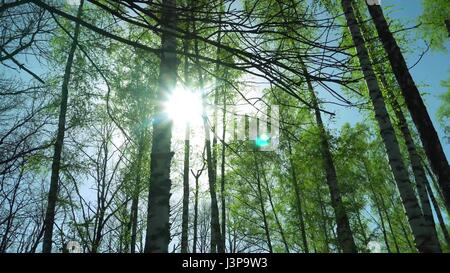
{"x":433,"y":68}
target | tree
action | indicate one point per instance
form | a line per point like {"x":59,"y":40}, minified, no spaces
{"x":158,"y":227}
{"x":414,"y":102}
{"x":56,"y":163}
{"x":412,"y":208}
{"x":435,"y":22}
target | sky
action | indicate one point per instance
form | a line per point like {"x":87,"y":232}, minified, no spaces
{"x":433,"y":68}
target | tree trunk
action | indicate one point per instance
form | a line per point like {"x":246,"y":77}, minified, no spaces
{"x":414,"y":102}
{"x":383,"y":227}
{"x":263,"y":209}
{"x":185,"y":216}
{"x":56,"y":162}
{"x":158,"y":227}
{"x":415,"y":160}
{"x":194,"y":243}
{"x":277,"y":220}
{"x":222,"y":171}
{"x":324,"y":215}
{"x":136,"y":191}
{"x":377,"y":205}
{"x":447,"y":24}
{"x":298,"y":201}
{"x":437,"y":209}
{"x":391,"y":228}
{"x":418,"y":170}
{"x":216,"y":238}
{"x":344,"y":231}
{"x":416,"y":220}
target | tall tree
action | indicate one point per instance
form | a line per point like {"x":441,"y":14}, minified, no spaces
{"x":187,"y":146}
{"x":58,"y":147}
{"x":158,"y":227}
{"x":344,"y":231}
{"x":414,"y":102}
{"x":413,"y":211}
{"x":414,"y":157}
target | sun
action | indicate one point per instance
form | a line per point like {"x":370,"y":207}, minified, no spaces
{"x":184,"y":106}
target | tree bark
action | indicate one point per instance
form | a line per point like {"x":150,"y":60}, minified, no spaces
{"x":185,"y":216}
{"x":56,"y":162}
{"x":416,"y":220}
{"x":222,"y":170}
{"x":344,"y":232}
{"x":158,"y":227}
{"x":414,"y":102}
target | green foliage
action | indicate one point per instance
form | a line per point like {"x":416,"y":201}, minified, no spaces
{"x":444,"y":110}
{"x":433,"y":28}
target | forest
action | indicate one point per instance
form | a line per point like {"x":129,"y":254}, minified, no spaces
{"x":224,"y":126}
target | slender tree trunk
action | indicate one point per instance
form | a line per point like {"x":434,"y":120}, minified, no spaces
{"x":136,"y":191}
{"x":277,"y":220}
{"x":134,"y":220}
{"x":414,"y":102}
{"x":263,"y":211}
{"x":216,"y":238}
{"x":222,"y":170}
{"x":56,"y":162}
{"x":383,"y":227}
{"x":416,"y":220}
{"x":158,"y":227}
{"x":366,"y":240}
{"x":344,"y":232}
{"x":435,"y":185}
{"x":185,"y":216}
{"x":325,"y":221}
{"x":391,"y":228}
{"x":98,"y":233}
{"x":447,"y":24}
{"x":377,"y":205}
{"x":400,"y":220}
{"x":194,"y":243}
{"x":125,"y":230}
{"x":261,"y":204}
{"x":216,"y":98}
{"x":196,"y":176}
{"x":298,"y":202}
{"x":437,"y":209}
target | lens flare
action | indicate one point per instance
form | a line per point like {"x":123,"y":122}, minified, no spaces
{"x":184,"y":106}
